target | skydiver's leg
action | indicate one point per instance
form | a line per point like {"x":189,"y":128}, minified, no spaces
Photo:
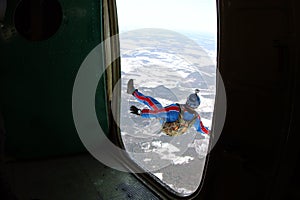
{"x":152,"y":103}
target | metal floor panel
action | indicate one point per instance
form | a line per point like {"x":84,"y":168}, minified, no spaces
{"x":79,"y":177}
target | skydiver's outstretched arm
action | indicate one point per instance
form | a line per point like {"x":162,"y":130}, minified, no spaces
{"x":200,"y":127}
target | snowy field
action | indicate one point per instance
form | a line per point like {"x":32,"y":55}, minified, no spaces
{"x":168,"y":67}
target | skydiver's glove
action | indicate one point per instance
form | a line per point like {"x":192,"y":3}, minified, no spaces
{"x":208,"y":133}
{"x":135,"y":110}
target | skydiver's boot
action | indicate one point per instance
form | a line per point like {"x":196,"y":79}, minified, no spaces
{"x":130,"y":87}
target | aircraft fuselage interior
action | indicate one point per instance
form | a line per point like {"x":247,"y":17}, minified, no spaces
{"x":74,"y":127}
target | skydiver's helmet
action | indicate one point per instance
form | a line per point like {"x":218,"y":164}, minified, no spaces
{"x":193,"y":100}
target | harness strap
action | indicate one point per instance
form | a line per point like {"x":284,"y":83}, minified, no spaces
{"x":180,"y":126}
{"x":195,"y":114}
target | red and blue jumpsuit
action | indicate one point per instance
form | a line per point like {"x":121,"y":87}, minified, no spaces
{"x":169,"y":113}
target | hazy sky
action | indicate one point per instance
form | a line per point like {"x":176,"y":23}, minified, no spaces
{"x":195,"y":15}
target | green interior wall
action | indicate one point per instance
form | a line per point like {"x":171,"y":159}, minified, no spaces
{"x":36,"y":82}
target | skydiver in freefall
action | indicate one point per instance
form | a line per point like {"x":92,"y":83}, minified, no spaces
{"x":176,"y":118}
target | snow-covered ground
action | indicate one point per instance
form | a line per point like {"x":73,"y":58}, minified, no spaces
{"x":168,"y":67}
